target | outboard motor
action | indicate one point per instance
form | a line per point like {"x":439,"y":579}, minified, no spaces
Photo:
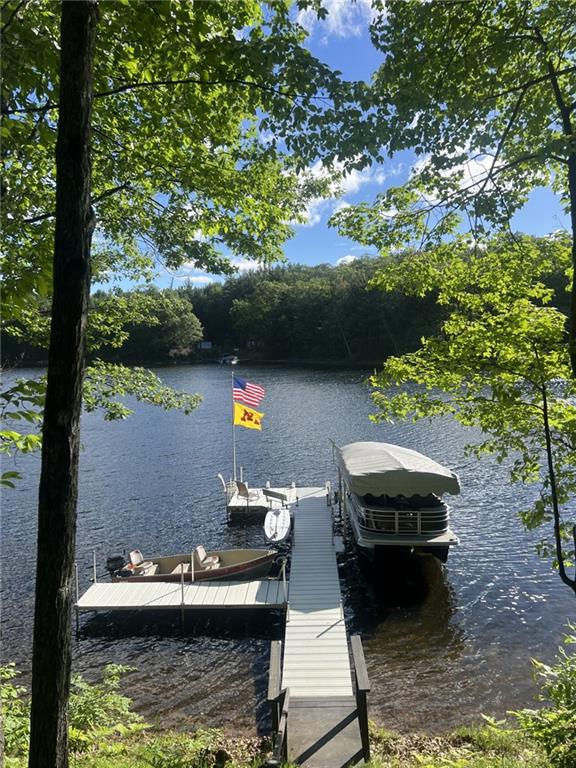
{"x":115,"y":564}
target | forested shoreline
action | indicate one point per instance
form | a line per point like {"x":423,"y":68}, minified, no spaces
{"x":289,"y":313}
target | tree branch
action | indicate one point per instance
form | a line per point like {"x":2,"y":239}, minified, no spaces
{"x":99,"y":198}
{"x":163,"y":83}
{"x":503,"y":138}
{"x":190,"y":81}
{"x":111,"y":191}
{"x":554,"y":495}
{"x":13,"y":15}
{"x":530,"y":83}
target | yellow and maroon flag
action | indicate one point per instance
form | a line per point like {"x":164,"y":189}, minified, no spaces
{"x":247,"y":417}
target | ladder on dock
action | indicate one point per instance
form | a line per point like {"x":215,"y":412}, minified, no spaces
{"x":319,"y":716}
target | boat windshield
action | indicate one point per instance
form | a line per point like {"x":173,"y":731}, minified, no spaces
{"x":416,"y":501}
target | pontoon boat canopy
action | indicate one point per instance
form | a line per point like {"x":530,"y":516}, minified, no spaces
{"x":383,"y":468}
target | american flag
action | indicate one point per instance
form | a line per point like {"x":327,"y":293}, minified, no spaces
{"x":246,"y":392}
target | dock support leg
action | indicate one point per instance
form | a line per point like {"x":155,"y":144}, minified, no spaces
{"x":362,"y":689}
{"x":363,"y":723}
{"x":274,"y":675}
{"x":182,"y":595}
{"x":77,"y":598}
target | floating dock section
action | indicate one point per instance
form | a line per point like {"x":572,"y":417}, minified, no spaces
{"x":204,"y":595}
{"x":316,"y":661}
{"x":244,"y":502}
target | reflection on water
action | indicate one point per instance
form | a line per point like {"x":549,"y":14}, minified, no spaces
{"x":441,"y":645}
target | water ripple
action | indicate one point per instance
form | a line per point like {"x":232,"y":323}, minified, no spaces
{"x":441,"y":646}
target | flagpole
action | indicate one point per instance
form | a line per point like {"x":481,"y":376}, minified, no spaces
{"x":233,"y":426}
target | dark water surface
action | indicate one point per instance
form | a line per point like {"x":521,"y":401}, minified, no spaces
{"x":150,"y":482}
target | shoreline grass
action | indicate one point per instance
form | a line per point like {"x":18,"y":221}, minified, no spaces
{"x":485,"y":746}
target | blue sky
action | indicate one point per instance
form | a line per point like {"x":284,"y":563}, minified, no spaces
{"x":342,"y":41}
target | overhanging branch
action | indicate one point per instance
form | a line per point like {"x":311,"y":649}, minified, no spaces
{"x":530,"y":83}
{"x":97,"y":199}
{"x":165,"y":83}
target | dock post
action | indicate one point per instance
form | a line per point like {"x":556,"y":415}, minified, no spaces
{"x":182,"y":593}
{"x":225,"y":489}
{"x":94,"y":574}
{"x":284,"y":579}
{"x":343,"y":510}
{"x":274,"y":674}
{"x":285,"y":588}
{"x":362,"y":688}
{"x":279,"y":700}
{"x":77,"y":598}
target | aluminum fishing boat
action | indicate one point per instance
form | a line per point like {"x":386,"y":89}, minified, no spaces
{"x":199,"y":565}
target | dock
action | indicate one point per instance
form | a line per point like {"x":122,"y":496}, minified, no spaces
{"x":318,"y":698}
{"x":317,"y":681}
{"x":244,"y":502}
{"x":204,"y":595}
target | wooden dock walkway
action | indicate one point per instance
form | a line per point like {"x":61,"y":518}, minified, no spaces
{"x":205,"y":595}
{"x":323,"y":727}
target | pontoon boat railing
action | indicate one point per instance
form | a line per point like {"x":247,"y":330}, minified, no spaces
{"x":429,"y":521}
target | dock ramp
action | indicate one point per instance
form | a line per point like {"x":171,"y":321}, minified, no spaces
{"x":318,"y":698}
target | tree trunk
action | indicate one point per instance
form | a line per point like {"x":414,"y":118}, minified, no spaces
{"x":572,"y":199}
{"x":59,"y":475}
{"x":554,"y":494}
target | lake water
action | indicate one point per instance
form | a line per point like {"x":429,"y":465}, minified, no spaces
{"x":150,"y":483}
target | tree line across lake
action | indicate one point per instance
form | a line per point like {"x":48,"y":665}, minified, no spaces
{"x":289,"y":313}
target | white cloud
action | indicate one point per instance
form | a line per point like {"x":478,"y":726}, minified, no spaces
{"x":189,"y":271}
{"x":350,"y":183}
{"x":345,"y":18}
{"x":341,"y":206}
{"x":245,"y":265}
{"x":389,"y":213}
{"x":194,"y":279}
{"x":354,"y":180}
{"x":396,"y":170}
{"x":315,"y":209}
{"x":346,"y":259}
{"x":473,"y":171}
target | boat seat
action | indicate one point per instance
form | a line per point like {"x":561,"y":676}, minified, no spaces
{"x":181,"y":567}
{"x":136,"y":558}
{"x":146,"y":568}
{"x":141,"y":566}
{"x":245,"y":493}
{"x":207,"y":562}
